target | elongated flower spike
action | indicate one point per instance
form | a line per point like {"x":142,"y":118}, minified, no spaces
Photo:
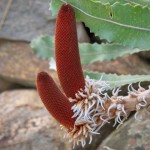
{"x":67,"y":52}
{"x":55,"y":102}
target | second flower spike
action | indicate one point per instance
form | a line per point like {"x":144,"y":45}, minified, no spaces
{"x":67,"y":52}
{"x":55,"y":102}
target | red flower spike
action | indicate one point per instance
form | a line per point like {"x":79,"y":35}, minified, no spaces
{"x":67,"y":52}
{"x":55,"y":102}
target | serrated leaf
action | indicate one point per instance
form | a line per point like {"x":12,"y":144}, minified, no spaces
{"x":117,"y":80}
{"x":118,"y":23}
{"x":94,"y":52}
{"x":109,"y":1}
{"x":140,"y":2}
{"x":133,"y":2}
{"x":43,"y":46}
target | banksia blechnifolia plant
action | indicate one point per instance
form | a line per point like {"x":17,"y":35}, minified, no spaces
{"x":87,"y":106}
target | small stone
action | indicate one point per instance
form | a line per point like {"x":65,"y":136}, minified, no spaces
{"x":131,"y":135}
{"x":29,"y":19}
{"x":26,"y":124}
{"x":6,"y":85}
{"x":128,"y":64}
{"x":19,"y":64}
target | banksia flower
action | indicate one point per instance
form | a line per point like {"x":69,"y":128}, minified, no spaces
{"x":67,"y":52}
{"x":87,"y":106}
{"x":56,"y":103}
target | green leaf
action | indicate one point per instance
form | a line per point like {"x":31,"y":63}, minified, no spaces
{"x":43,"y":46}
{"x":118,"y":23}
{"x":94,"y":52}
{"x":55,"y":6}
{"x":118,"y":80}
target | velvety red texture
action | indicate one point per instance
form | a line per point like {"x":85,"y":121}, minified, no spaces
{"x":67,"y":52}
{"x":55,"y":102}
